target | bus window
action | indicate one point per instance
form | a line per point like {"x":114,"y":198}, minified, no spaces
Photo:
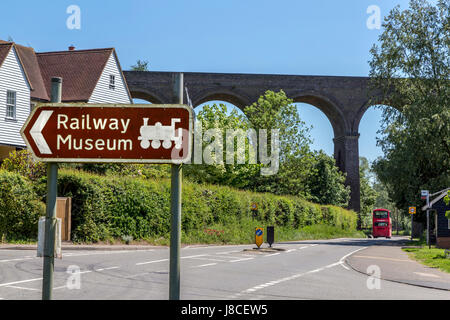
{"x":380,"y":214}
{"x":381,"y":224}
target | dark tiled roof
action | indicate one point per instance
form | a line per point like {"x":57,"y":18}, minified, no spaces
{"x":80,"y":70}
{"x":4,"y":50}
{"x":30,"y":63}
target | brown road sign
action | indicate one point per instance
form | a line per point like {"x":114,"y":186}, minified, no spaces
{"x":110,"y":133}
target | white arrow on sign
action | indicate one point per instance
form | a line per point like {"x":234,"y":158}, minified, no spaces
{"x":36,"y":132}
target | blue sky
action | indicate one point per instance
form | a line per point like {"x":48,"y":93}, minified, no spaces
{"x":322,"y":37}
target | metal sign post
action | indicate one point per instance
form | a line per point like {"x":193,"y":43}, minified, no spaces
{"x":50,"y":219}
{"x":175,"y":209}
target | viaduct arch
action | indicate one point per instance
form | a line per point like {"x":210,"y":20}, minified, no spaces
{"x":343,"y":100}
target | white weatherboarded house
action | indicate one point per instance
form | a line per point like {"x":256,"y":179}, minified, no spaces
{"x":89,"y":76}
{"x":14,"y":98}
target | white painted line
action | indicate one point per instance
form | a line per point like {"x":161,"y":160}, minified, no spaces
{"x":83,"y":272}
{"x":209,"y":259}
{"x":273,"y":254}
{"x":17,"y":282}
{"x":295,"y":276}
{"x":110,"y":268}
{"x":241,"y":259}
{"x":18,"y":259}
{"x":23,"y":288}
{"x":227,"y":252}
{"x":148,"y":262}
{"x":342,"y":260}
{"x":62,"y":287}
{"x":195,"y":256}
{"x":291,"y":250}
{"x":205,"y":265}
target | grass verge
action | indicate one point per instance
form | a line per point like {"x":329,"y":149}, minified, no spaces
{"x":434,"y":257}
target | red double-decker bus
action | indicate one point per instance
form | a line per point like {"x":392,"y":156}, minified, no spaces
{"x":382,"y":223}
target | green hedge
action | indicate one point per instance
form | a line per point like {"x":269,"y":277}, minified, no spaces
{"x":19,"y":208}
{"x":107,"y":208}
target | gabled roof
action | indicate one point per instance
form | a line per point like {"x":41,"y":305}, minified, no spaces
{"x":30,"y":64}
{"x":80,"y":70}
{"x":5,"y":47}
{"x":27,"y":59}
{"x":439,"y":197}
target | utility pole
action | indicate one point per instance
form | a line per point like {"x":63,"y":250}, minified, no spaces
{"x":50,"y":219}
{"x":175,"y":207}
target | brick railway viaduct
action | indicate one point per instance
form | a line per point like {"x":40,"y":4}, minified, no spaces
{"x":343,"y":100}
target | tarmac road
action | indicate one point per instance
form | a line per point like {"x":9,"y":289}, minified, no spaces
{"x":305,"y":270}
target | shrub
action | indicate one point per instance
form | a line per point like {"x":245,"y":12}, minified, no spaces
{"x":110,"y":207}
{"x":23,"y":162}
{"x":19,"y":209}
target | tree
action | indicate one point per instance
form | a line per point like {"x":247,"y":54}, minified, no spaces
{"x":221,"y":172}
{"x":411,"y":70}
{"x":368,"y":195}
{"x":326,"y":183}
{"x":141,"y":65}
{"x":275,"y":111}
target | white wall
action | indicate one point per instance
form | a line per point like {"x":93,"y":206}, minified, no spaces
{"x":102,"y":93}
{"x":12,"y":77}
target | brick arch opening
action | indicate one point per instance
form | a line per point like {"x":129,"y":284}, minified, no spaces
{"x":147,"y":96}
{"x":233,"y":98}
{"x":329,"y":108}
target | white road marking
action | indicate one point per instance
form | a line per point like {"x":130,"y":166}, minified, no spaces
{"x":295,"y":276}
{"x":243,"y":259}
{"x":148,"y":262}
{"x":291,"y":250}
{"x":273,"y":254}
{"x":18,"y":259}
{"x":427,"y":274}
{"x":209,"y":259}
{"x":17,"y":282}
{"x":227,"y":252}
{"x":23,"y":288}
{"x":110,"y":268}
{"x":205,"y":265}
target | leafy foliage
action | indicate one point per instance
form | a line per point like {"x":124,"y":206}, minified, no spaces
{"x":411,"y":68}
{"x":141,"y":65}
{"x":19,"y":208}
{"x":108,"y":207}
{"x":22,"y":162}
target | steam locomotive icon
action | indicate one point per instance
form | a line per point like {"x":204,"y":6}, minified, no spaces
{"x":153,"y":135}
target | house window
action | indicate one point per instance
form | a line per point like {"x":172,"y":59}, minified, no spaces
{"x":112,"y":82}
{"x":10,"y":104}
